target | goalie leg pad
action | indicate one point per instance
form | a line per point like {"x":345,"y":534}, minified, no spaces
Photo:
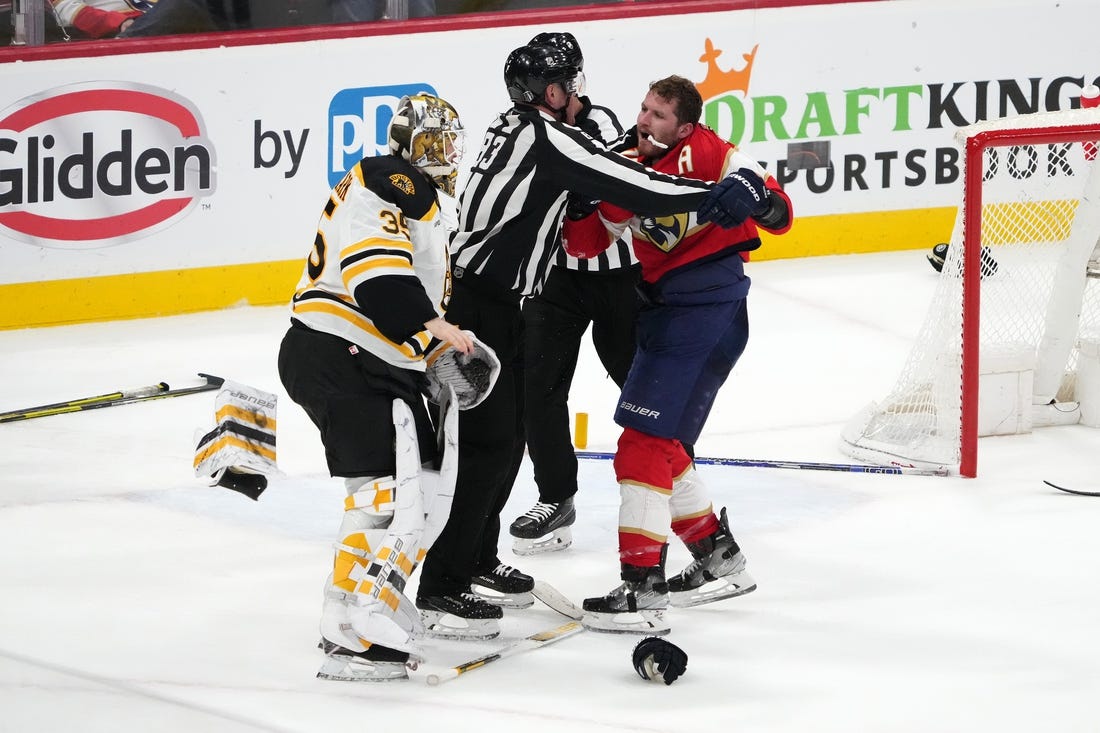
{"x":365,"y":603}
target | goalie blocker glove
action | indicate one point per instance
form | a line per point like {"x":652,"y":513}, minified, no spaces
{"x":735,"y":198}
{"x":658,"y":660}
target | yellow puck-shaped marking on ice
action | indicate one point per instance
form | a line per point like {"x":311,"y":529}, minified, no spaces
{"x":580,"y":431}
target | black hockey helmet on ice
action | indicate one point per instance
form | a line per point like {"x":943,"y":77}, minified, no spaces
{"x":530,"y":69}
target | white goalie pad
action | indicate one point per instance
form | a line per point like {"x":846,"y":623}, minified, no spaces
{"x":471,"y":376}
{"x":383,"y":552}
{"x":244,"y":438}
{"x":439,"y":486}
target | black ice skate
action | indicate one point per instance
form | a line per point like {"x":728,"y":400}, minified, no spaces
{"x":377,"y":664}
{"x":545,"y":527}
{"x":717,"y":572}
{"x":504,"y":586}
{"x":459,"y":616}
{"x":635,"y":607}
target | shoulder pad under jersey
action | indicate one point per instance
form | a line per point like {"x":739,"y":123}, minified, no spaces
{"x":394,"y":180}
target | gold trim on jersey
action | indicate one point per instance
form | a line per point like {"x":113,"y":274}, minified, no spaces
{"x":372,"y":242}
{"x":359,"y":270}
{"x":328,"y":306}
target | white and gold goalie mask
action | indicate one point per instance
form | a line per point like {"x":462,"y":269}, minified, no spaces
{"x":426,"y":132}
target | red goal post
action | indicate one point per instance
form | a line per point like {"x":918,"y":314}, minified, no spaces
{"x":1011,"y":339}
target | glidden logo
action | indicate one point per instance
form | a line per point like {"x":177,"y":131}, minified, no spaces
{"x":100,"y":161}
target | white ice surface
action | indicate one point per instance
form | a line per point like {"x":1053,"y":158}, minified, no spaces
{"x":135,"y":598}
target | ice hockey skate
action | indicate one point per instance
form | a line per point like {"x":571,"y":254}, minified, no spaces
{"x":461,"y":616}
{"x":635,"y":607}
{"x":504,"y":586}
{"x":718,"y":571}
{"x":376,"y":664}
{"x":545,"y":527}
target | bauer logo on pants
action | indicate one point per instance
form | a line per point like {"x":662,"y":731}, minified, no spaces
{"x":98,"y":163}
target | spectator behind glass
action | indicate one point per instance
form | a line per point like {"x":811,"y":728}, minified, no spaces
{"x":355,"y":11}
{"x":98,"y":18}
{"x":132,"y":18}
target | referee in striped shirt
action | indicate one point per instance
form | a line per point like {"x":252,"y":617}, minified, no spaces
{"x":577,"y":293}
{"x":509,"y":232}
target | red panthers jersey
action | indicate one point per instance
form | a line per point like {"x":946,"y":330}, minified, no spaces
{"x":665,"y":243}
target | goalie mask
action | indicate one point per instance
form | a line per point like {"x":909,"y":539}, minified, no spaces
{"x":426,"y":132}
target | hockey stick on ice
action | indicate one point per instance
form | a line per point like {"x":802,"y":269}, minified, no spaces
{"x":124,"y":397}
{"x":554,"y":599}
{"x":534,"y":641}
{"x":80,"y":402}
{"x":1079,"y":492}
{"x":803,"y":465}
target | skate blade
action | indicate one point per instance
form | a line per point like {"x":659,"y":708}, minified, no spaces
{"x":503,"y":600}
{"x":640,"y":622}
{"x":347,"y":669}
{"x":439,"y":625}
{"x":716,"y":590}
{"x":556,"y":541}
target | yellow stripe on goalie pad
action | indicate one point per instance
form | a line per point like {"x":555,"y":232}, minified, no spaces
{"x":258,"y":419}
{"x":231,"y":440}
{"x":379,"y":498}
{"x":399,"y":559}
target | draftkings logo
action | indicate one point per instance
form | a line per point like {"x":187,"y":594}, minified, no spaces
{"x":359,"y":120}
{"x":803,"y":118}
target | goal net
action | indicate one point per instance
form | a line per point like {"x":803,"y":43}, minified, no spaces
{"x":1011,"y":338}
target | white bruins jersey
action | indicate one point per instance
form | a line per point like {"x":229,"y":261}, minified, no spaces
{"x":379,"y":266}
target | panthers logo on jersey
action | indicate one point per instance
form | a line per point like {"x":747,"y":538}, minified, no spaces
{"x":664,"y":232}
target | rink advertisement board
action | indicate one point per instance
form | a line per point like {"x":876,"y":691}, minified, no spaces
{"x":166,"y":182}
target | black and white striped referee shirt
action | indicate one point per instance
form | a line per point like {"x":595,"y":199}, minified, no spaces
{"x":602,"y":124}
{"x":510,"y":212}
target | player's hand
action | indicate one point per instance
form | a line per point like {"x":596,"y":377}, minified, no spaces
{"x":579,"y":207}
{"x":735,"y":198}
{"x":450,"y":333}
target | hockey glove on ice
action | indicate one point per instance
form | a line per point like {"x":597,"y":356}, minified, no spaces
{"x":657,"y":660}
{"x":734,"y":199}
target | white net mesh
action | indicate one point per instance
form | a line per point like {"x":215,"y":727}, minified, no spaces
{"x":1039,"y":223}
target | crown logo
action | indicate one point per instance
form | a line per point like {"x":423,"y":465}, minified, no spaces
{"x":719,"y":82}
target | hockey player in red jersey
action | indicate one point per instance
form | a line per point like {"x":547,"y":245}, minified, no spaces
{"x":692,"y":329}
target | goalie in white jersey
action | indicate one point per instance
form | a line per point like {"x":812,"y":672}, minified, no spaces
{"x":366,"y":313}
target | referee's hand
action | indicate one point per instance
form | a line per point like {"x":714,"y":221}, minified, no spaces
{"x":450,"y":333}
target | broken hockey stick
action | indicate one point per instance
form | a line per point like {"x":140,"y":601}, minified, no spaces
{"x":1079,"y":492}
{"x":123,"y":397}
{"x":555,"y":600}
{"x":534,"y":641}
{"x":803,"y":465}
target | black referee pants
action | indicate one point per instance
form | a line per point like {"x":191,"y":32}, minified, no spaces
{"x":490,"y":447}
{"x":555,"y":322}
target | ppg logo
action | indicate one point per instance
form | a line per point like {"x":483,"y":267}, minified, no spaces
{"x":358,"y":121}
